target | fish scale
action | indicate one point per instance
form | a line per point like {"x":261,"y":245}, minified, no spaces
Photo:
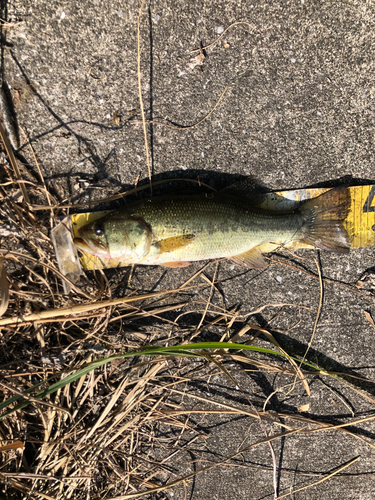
{"x":221,"y":226}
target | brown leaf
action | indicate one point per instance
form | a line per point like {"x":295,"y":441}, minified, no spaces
{"x":303,"y":408}
{"x":369,"y":318}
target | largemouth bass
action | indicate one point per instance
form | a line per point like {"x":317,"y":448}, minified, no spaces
{"x":174,"y":231}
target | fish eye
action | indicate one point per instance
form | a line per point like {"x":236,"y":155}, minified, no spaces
{"x":99,"y":229}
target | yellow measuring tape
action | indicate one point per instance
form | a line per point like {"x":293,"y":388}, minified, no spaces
{"x":360,"y":222}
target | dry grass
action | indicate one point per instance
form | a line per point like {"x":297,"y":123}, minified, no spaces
{"x":116,"y":428}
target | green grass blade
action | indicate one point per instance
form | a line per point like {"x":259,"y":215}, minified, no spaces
{"x":186,"y":350}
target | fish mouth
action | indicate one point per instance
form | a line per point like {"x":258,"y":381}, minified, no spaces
{"x":93,"y":246}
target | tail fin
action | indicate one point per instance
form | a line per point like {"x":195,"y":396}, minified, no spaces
{"x":323,"y":217}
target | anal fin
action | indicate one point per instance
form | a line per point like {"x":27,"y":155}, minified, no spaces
{"x":253,"y":259}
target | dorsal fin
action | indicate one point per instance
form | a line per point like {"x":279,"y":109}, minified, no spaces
{"x":246,"y":190}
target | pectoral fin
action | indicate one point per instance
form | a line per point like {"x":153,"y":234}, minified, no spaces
{"x":175,"y":264}
{"x":175,"y":243}
{"x":252,"y":259}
